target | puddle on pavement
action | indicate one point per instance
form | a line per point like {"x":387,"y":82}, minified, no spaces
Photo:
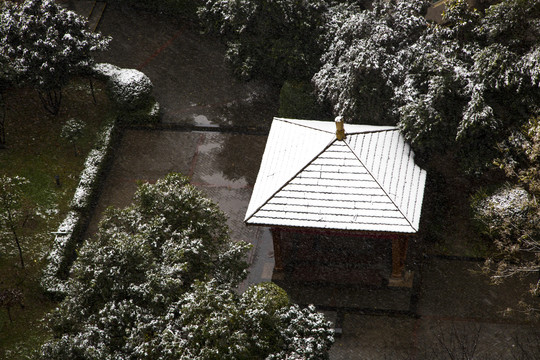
{"x":208,"y":146}
{"x":201,"y":120}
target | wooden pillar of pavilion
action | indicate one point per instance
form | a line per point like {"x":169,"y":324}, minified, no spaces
{"x":399,"y":254}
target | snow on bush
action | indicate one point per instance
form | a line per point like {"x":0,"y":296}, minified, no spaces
{"x":92,"y":169}
{"x":104,"y":71}
{"x":56,"y":261}
{"x":510,"y":203}
{"x":130,"y":88}
{"x":68,"y":233}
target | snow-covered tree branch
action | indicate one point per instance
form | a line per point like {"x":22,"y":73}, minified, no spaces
{"x":472,"y":79}
{"x":159,"y":282}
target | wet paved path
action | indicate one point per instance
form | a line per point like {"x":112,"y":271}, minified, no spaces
{"x":194,"y":87}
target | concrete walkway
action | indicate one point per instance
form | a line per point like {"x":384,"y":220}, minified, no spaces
{"x":450,"y":303}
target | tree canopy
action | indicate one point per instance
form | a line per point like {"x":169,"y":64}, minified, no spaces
{"x":275,"y":39}
{"x":473,"y":78}
{"x":159,"y":282}
{"x":46,"y":44}
{"x":366,"y":58}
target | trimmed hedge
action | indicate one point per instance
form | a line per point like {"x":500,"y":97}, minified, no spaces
{"x":131,"y":90}
{"x":72,"y":229}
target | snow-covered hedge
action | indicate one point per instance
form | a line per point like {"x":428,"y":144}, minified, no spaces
{"x":131,"y":90}
{"x":71,"y":229}
{"x":64,"y":244}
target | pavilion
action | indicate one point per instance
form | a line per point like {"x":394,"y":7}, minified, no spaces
{"x":321,"y":179}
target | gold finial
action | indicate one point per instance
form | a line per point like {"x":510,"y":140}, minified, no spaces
{"x":340,"y":130}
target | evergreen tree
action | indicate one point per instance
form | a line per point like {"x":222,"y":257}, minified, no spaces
{"x":159,"y":282}
{"x":46,"y":44}
{"x":471,"y":80}
{"x":368,"y":52}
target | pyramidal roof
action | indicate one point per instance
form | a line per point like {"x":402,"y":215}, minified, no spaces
{"x":308,"y":178}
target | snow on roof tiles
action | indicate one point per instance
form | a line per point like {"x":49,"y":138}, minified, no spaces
{"x":308,"y":178}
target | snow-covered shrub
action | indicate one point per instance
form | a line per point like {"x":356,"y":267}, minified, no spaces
{"x":130,"y":89}
{"x":88,"y":177}
{"x":305,"y":334}
{"x":72,"y":131}
{"x":104,"y":71}
{"x":505,"y":211}
{"x":53,"y":280}
{"x":93,"y":167}
{"x":510,"y":217}
{"x":71,"y":229}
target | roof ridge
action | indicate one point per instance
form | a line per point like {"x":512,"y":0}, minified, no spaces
{"x":290,"y":121}
{"x":381,"y":186}
{"x":292,"y":178}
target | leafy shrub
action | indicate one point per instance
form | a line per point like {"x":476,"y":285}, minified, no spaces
{"x":72,"y":131}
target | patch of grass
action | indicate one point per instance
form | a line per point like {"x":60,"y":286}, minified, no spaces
{"x":36,"y":151}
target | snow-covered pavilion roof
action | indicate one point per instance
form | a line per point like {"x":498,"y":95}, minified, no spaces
{"x":308,"y":178}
